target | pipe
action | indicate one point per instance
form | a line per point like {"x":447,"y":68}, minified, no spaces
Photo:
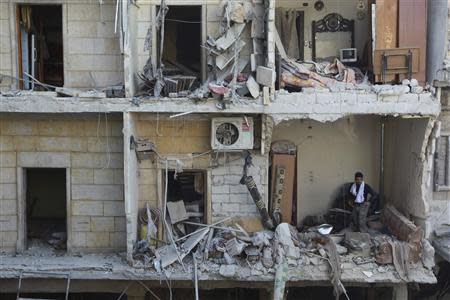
{"x":381,"y":183}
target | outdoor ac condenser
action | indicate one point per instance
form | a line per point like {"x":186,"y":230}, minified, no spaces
{"x":230,"y":134}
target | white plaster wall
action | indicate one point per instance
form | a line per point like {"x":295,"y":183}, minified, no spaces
{"x":406,"y":165}
{"x":346,"y":8}
{"x":328,"y":155}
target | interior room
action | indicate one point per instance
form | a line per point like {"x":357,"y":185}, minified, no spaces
{"x":327,"y":155}
{"x":41,"y":45}
{"x":46,"y":212}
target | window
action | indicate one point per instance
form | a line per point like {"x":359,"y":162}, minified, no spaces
{"x":442,"y":164}
{"x":40,"y":45}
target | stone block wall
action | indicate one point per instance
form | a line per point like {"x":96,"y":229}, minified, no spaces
{"x":92,"y":56}
{"x":182,"y":137}
{"x":92,"y":149}
{"x":5,"y":46}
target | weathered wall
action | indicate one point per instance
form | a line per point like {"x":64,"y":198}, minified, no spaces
{"x":407,"y":181}
{"x":5,"y":46}
{"x":328,"y":155}
{"x":348,"y":9}
{"x":184,"y":137}
{"x":92,"y":149}
{"x":92,"y":56}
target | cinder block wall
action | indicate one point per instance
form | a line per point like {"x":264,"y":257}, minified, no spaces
{"x":183,"y":136}
{"x":92,"y":149}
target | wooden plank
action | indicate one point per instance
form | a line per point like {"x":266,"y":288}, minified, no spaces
{"x":386,"y":17}
{"x":289,"y":164}
{"x":412,"y":31}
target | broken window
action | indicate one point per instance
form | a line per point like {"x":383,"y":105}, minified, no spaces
{"x":46,"y":216}
{"x":40,"y":45}
{"x":442,"y":164}
{"x":181,"y":48}
{"x":186,"y":200}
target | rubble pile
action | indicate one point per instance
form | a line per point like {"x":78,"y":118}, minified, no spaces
{"x":231,"y":75}
{"x":226,"y":249}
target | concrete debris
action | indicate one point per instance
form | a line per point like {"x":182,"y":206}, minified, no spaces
{"x":265,"y":76}
{"x":400,"y":226}
{"x":253,"y":87}
{"x":230,"y":37}
{"x":358,"y":243}
{"x":442,"y":231}
{"x":234,"y":247}
{"x":427,"y":255}
{"x":227,"y":271}
{"x":236,"y":12}
{"x":177,"y":211}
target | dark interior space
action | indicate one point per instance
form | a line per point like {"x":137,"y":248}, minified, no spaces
{"x":187,"y":189}
{"x":59,"y":296}
{"x":325,"y":292}
{"x":182,"y":39}
{"x":46,"y":207}
{"x":208,"y":294}
{"x":41,"y":45}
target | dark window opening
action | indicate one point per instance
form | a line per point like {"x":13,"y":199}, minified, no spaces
{"x":186,"y":198}
{"x":181,"y":54}
{"x":46,"y":211}
{"x":40,"y":45}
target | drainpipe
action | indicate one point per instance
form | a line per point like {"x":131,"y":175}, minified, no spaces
{"x":381,"y":187}
{"x":436,"y":36}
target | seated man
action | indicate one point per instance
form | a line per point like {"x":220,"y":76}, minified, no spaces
{"x":359,"y":191}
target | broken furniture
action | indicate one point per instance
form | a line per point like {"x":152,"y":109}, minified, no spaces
{"x":396,"y":61}
{"x":332,"y":23}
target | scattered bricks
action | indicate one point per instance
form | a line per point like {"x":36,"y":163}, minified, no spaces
{"x":97,"y":192}
{"x":221,"y":189}
{"x":220,"y":198}
{"x":8,"y":191}
{"x":8,"y":223}
{"x":43,"y":159}
{"x":82,"y":176}
{"x":97,"y":239}
{"x":120,"y":224}
{"x":102,"y":224}
{"x":114,"y":209}
{"x":7,"y":159}
{"x":79,"y":239}
{"x":118,"y":240}
{"x":265,"y":76}
{"x":81,"y":223}
{"x":87,"y":208}
{"x":104,"y":176}
{"x":8,"y":207}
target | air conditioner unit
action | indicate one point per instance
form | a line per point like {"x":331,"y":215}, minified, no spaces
{"x":232,"y":133}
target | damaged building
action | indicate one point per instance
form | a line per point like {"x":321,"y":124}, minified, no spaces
{"x":208,"y":149}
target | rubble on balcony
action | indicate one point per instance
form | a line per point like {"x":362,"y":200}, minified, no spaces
{"x":231,"y":76}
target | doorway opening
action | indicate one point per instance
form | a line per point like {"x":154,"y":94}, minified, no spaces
{"x":46,"y":209}
{"x":40,"y":37}
{"x":186,"y":200}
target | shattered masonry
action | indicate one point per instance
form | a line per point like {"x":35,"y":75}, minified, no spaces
{"x":148,"y":147}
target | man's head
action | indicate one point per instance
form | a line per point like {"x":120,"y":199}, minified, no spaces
{"x":359,"y":177}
